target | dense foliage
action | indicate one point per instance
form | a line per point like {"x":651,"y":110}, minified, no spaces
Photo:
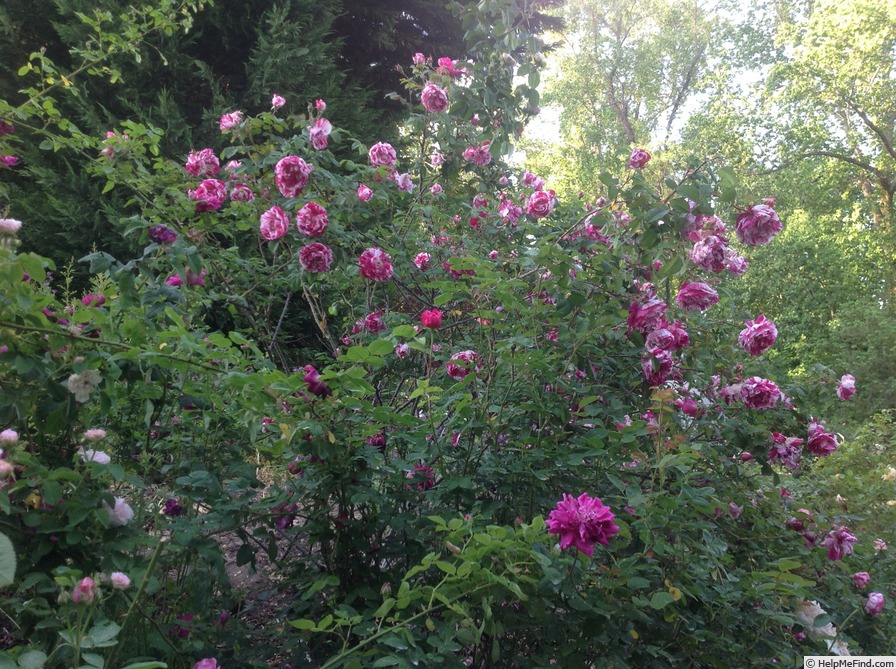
{"x":538,"y":430}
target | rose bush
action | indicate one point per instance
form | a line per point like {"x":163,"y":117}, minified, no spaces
{"x":470,"y":381}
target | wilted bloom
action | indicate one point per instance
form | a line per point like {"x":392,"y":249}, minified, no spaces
{"x":312,"y":220}
{"x":839,"y":543}
{"x":638,"y":159}
{"x":315,"y":258}
{"x":757,"y":225}
{"x":193,"y":279}
{"x":9,"y":437}
{"x":277,"y":101}
{"x":735,"y":263}
{"x":421,"y":260}
{"x":875,"y":603}
{"x":461,"y":364}
{"x":758,"y":336}
{"x":735,"y":510}
{"x":431,"y":318}
{"x":688,"y":406}
{"x":207,"y":663}
{"x":402,"y":350}
{"x":806,"y":614}
{"x":81,"y":385}
{"x":656,"y":364}
{"x":203,"y":163}
{"x":709,"y":254}
{"x":209,"y":195}
{"x":292,"y":175}
{"x":860,"y":579}
{"x":646,"y":316}
{"x":540,"y":204}
{"x":162,"y":234}
{"x":434,"y":98}
{"x":582,"y":522}
{"x":230,"y":121}
{"x":273,"y":223}
{"x":820,"y":443}
{"x":6,"y":128}
{"x":425,"y":477}
{"x":172,"y":507}
{"x":786,"y":451}
{"x":85,"y":591}
{"x":696,"y":296}
{"x":376,"y":265}
{"x":364,"y":193}
{"x":759,"y":393}
{"x":119,"y":580}
{"x":382,"y":154}
{"x":315,"y":385}
{"x":319,"y":133}
{"x":847,"y":387}
{"x":9,"y":226}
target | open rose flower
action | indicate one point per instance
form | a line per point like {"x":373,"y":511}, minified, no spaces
{"x":709,"y":254}
{"x":875,"y":604}
{"x":431,"y":318}
{"x":312,"y":220}
{"x":292,"y":174}
{"x":274,"y":223}
{"x":847,"y":387}
{"x":434,"y":98}
{"x":638,"y":159}
{"x":375,"y":264}
{"x":839,"y":543}
{"x":318,"y":132}
{"x":860,"y":579}
{"x":461,"y":364}
{"x":230,"y":121}
{"x":209,"y":195}
{"x":120,"y":514}
{"x":757,"y":225}
{"x":696,"y":296}
{"x":313,"y":382}
{"x":820,"y":443}
{"x":758,"y":336}
{"x":422,"y":260}
{"x":786,"y":451}
{"x":203,"y":163}
{"x":582,"y":522}
{"x":277,"y":101}
{"x":364,"y":193}
{"x":540,"y":204}
{"x":759,"y":393}
{"x":646,"y":316}
{"x":382,"y":155}
{"x":656,"y":364}
{"x":316,"y":258}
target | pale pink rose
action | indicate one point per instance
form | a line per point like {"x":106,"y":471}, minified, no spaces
{"x":241,"y":193}
{"x":540,"y":204}
{"x":757,"y":225}
{"x":759,"y":393}
{"x":418,"y":59}
{"x":91,"y":455}
{"x":119,"y":580}
{"x":382,"y":155}
{"x":422,"y":260}
{"x":207,"y":663}
{"x":292,"y":175}
{"x":9,"y":437}
{"x":461,"y":364}
{"x":709,"y":254}
{"x":6,"y":469}
{"x":758,"y":336}
{"x":880,"y":545}
{"x":316,"y":258}
{"x":209,"y":195}
{"x":312,"y":220}
{"x":696,"y":296}
{"x":203,"y":163}
{"x":434,"y":98}
{"x":405,"y":183}
{"x":274,"y":223}
{"x":9,"y":226}
{"x":364,"y":193}
{"x":860,"y":579}
{"x":277,"y":101}
{"x":656,"y":364}
{"x":320,"y":105}
{"x":435,"y":189}
{"x":230,"y":121}
{"x":85,"y":591}
{"x":121,"y":514}
{"x":638,"y":159}
{"x":375,"y":264}
{"x":875,"y":604}
{"x":847,"y":387}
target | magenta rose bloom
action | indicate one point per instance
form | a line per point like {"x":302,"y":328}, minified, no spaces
{"x":875,"y":604}
{"x":582,"y":522}
{"x":316,"y":258}
{"x":461,"y":364}
{"x":373,"y":323}
{"x":382,"y":155}
{"x":274,"y":223}
{"x":759,"y":393}
{"x":312,"y":220}
{"x":735,"y":263}
{"x":758,"y":336}
{"x":292,"y":175}
{"x":277,"y":101}
{"x":431,"y":318}
{"x":656,"y":364}
{"x":660,"y":338}
{"x":860,"y":579}
{"x":207,"y":663}
{"x":209,"y":195}
{"x":839,"y":543}
{"x":638,"y":159}
{"x":375,"y":264}
{"x":681,"y":336}
{"x":847,"y":387}
{"x":478,"y":155}
{"x":757,"y":225}
{"x":230,"y":121}
{"x":786,"y":451}
{"x":540,"y":204}
{"x":315,"y":385}
{"x":820,"y":443}
{"x":364,"y":193}
{"x":696,"y":296}
{"x":646,"y":316}
{"x":434,"y":98}
{"x":203,"y":163}
{"x":709,"y":254}
{"x":422,"y":260}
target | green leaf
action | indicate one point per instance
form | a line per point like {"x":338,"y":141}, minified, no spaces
{"x":152,"y":664}
{"x":661,"y":600}
{"x":7,"y":561}
{"x":380,"y":347}
{"x":404,"y":331}
{"x":32,"y":659}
